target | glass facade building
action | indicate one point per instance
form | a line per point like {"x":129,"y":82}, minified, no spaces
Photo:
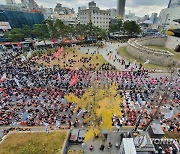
{"x":18,"y":18}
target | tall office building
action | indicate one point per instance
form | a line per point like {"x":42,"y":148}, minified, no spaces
{"x":174,"y":3}
{"x":10,"y":2}
{"x":121,"y":7}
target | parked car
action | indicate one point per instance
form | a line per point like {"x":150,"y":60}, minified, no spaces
{"x":81,"y":135}
{"x":77,"y":136}
{"x":74,"y":136}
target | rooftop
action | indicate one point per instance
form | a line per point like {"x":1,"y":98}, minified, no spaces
{"x":129,"y":147}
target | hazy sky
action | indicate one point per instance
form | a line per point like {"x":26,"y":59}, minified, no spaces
{"x":140,"y":7}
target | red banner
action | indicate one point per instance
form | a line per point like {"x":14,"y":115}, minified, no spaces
{"x":3,"y":78}
{"x":60,"y":50}
{"x":74,"y":80}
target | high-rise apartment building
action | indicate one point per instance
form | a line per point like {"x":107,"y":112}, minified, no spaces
{"x":121,"y":7}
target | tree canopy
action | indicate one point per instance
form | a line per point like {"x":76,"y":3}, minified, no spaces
{"x":16,"y":34}
{"x":101,"y":106}
{"x":54,"y":30}
{"x":41,"y":31}
{"x":116,"y":27}
{"x":128,"y":27}
{"x":131,"y":27}
{"x":57,"y":29}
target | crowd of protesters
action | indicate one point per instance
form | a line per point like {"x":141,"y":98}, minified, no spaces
{"x":33,"y":94}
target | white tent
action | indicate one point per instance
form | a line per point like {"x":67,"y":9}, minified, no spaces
{"x":41,"y":43}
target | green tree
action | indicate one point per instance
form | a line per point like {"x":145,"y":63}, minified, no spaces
{"x":131,"y":27}
{"x":90,"y":30}
{"x":61,"y":28}
{"x":27,"y":31}
{"x":16,"y":34}
{"x":100,"y":33}
{"x":41,"y":31}
{"x":80,"y":29}
{"x":115,"y":27}
{"x":72,"y":30}
{"x":52,"y":29}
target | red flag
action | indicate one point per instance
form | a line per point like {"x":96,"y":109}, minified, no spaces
{"x":60,"y":50}
{"x":74,"y":80}
{"x":3,"y":78}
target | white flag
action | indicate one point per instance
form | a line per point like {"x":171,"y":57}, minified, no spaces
{"x":40,"y":68}
{"x":134,"y":62}
{"x":59,"y":77}
{"x":57,"y":123}
{"x":46,"y":124}
{"x":169,"y":115}
{"x":17,"y":82}
{"x":147,"y":61}
{"x":46,"y":127}
{"x":67,"y":61}
{"x":29,"y":55}
{"x":23,"y":58}
{"x":82,"y":111}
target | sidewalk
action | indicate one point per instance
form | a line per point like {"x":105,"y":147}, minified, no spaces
{"x":104,"y":51}
{"x":114,"y":49}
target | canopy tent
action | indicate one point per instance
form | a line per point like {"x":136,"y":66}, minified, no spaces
{"x":41,"y":43}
